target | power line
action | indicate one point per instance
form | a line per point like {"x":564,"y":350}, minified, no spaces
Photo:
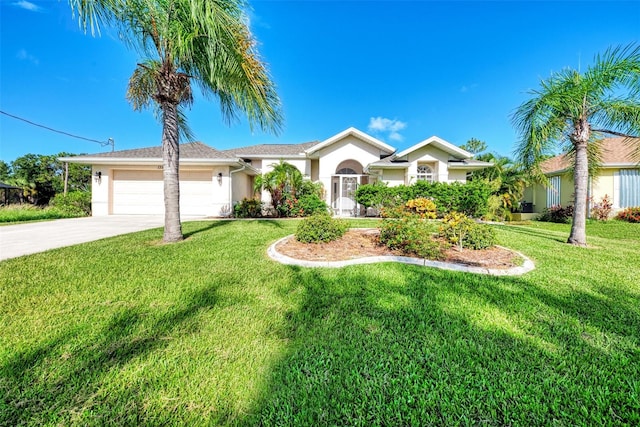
{"x":102,"y":143}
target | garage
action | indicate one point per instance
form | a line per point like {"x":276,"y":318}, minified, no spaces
{"x":141,"y":192}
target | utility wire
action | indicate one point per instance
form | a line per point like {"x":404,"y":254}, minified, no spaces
{"x":102,"y":143}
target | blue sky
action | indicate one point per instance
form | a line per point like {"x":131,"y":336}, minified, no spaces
{"x":399,"y":70}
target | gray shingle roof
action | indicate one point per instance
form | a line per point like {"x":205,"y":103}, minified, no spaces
{"x":190,"y":150}
{"x":271,"y":150}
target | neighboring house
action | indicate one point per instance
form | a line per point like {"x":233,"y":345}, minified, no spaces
{"x":618,"y":178}
{"x":212,"y":181}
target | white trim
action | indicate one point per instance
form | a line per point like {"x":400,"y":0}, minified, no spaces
{"x":616,"y":190}
{"x":440,"y":143}
{"x":144,"y":161}
{"x":351,"y":132}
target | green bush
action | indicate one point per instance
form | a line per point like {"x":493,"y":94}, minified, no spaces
{"x":629,"y":214}
{"x":557,"y":214}
{"x":470,"y":198}
{"x":74,"y":203}
{"x":320,"y":228}
{"x":480,"y":236}
{"x":463,"y":232}
{"x":412,"y":236}
{"x":248,"y":208}
{"x":312,"y":204}
{"x":371,"y":195}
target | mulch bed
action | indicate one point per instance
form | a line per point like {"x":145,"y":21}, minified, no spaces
{"x":360,"y":243}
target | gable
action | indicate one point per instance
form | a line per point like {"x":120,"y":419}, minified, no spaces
{"x":352,"y":134}
{"x":431,"y":146}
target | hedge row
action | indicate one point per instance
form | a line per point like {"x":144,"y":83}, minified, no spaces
{"x":470,"y":198}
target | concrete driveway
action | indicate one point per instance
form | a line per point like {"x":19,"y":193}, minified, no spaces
{"x":24,"y":239}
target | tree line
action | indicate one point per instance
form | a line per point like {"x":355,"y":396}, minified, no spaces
{"x":38,"y":178}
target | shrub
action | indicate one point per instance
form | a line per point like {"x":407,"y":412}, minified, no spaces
{"x":371,"y":195}
{"x":557,"y":214}
{"x":480,"y":236}
{"x":74,"y":203}
{"x":470,"y":198}
{"x":629,"y":214}
{"x":248,"y":208}
{"x":423,"y":207}
{"x":602,"y":210}
{"x":412,"y":236}
{"x":463,"y":232}
{"x":289,"y":207}
{"x":320,"y":228}
{"x":312,"y":204}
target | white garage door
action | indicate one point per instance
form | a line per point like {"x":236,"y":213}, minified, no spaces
{"x":142,"y":192}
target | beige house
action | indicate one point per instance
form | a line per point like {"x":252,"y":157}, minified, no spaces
{"x":212,"y":181}
{"x":618,"y":178}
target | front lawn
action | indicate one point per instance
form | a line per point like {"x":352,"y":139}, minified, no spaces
{"x":210,"y":331}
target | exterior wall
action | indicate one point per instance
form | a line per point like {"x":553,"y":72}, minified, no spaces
{"x":394,"y":177}
{"x":538,"y":194}
{"x":303,"y":165}
{"x":603,"y":185}
{"x":566,"y":190}
{"x":437,"y":159}
{"x":349,"y":148}
{"x":315,"y":169}
{"x":100,"y":191}
{"x":241,"y":187}
{"x":457,"y":175}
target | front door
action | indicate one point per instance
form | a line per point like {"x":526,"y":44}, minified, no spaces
{"x":343,"y":199}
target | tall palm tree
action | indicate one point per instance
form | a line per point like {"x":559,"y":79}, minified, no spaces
{"x":574,"y":111}
{"x":206,"y":42}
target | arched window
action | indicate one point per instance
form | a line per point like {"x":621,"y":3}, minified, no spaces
{"x":346,"y":171}
{"x":425,"y":173}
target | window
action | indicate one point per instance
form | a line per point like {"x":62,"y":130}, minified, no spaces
{"x":346,"y":171}
{"x":629,"y":188}
{"x":425,"y":173}
{"x":553,"y":191}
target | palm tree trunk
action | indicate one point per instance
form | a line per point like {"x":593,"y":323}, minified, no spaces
{"x":170,"y":165}
{"x":578,"y":235}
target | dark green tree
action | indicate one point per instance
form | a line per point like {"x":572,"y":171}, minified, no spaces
{"x":474,"y":146}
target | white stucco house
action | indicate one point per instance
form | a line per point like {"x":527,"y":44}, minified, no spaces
{"x":212,"y":181}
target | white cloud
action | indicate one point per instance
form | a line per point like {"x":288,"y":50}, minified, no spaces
{"x":27,"y":6}
{"x":384,"y":125}
{"x":23,"y":55}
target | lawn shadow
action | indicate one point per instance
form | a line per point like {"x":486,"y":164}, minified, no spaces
{"x":197,"y":227}
{"x":50,"y":382}
{"x":538,"y":233}
{"x":414,"y":346}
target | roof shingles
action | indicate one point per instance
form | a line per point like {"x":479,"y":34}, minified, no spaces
{"x":614,"y":151}
{"x":190,"y":150}
{"x":271,"y":150}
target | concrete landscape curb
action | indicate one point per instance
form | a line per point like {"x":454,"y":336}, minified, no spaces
{"x":527,"y":265}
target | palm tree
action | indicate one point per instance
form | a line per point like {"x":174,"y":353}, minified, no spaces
{"x":574,"y":111}
{"x":283,"y":180}
{"x":186,"y":41}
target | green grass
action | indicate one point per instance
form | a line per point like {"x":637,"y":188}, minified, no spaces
{"x":26,"y":213}
{"x":210,"y":331}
